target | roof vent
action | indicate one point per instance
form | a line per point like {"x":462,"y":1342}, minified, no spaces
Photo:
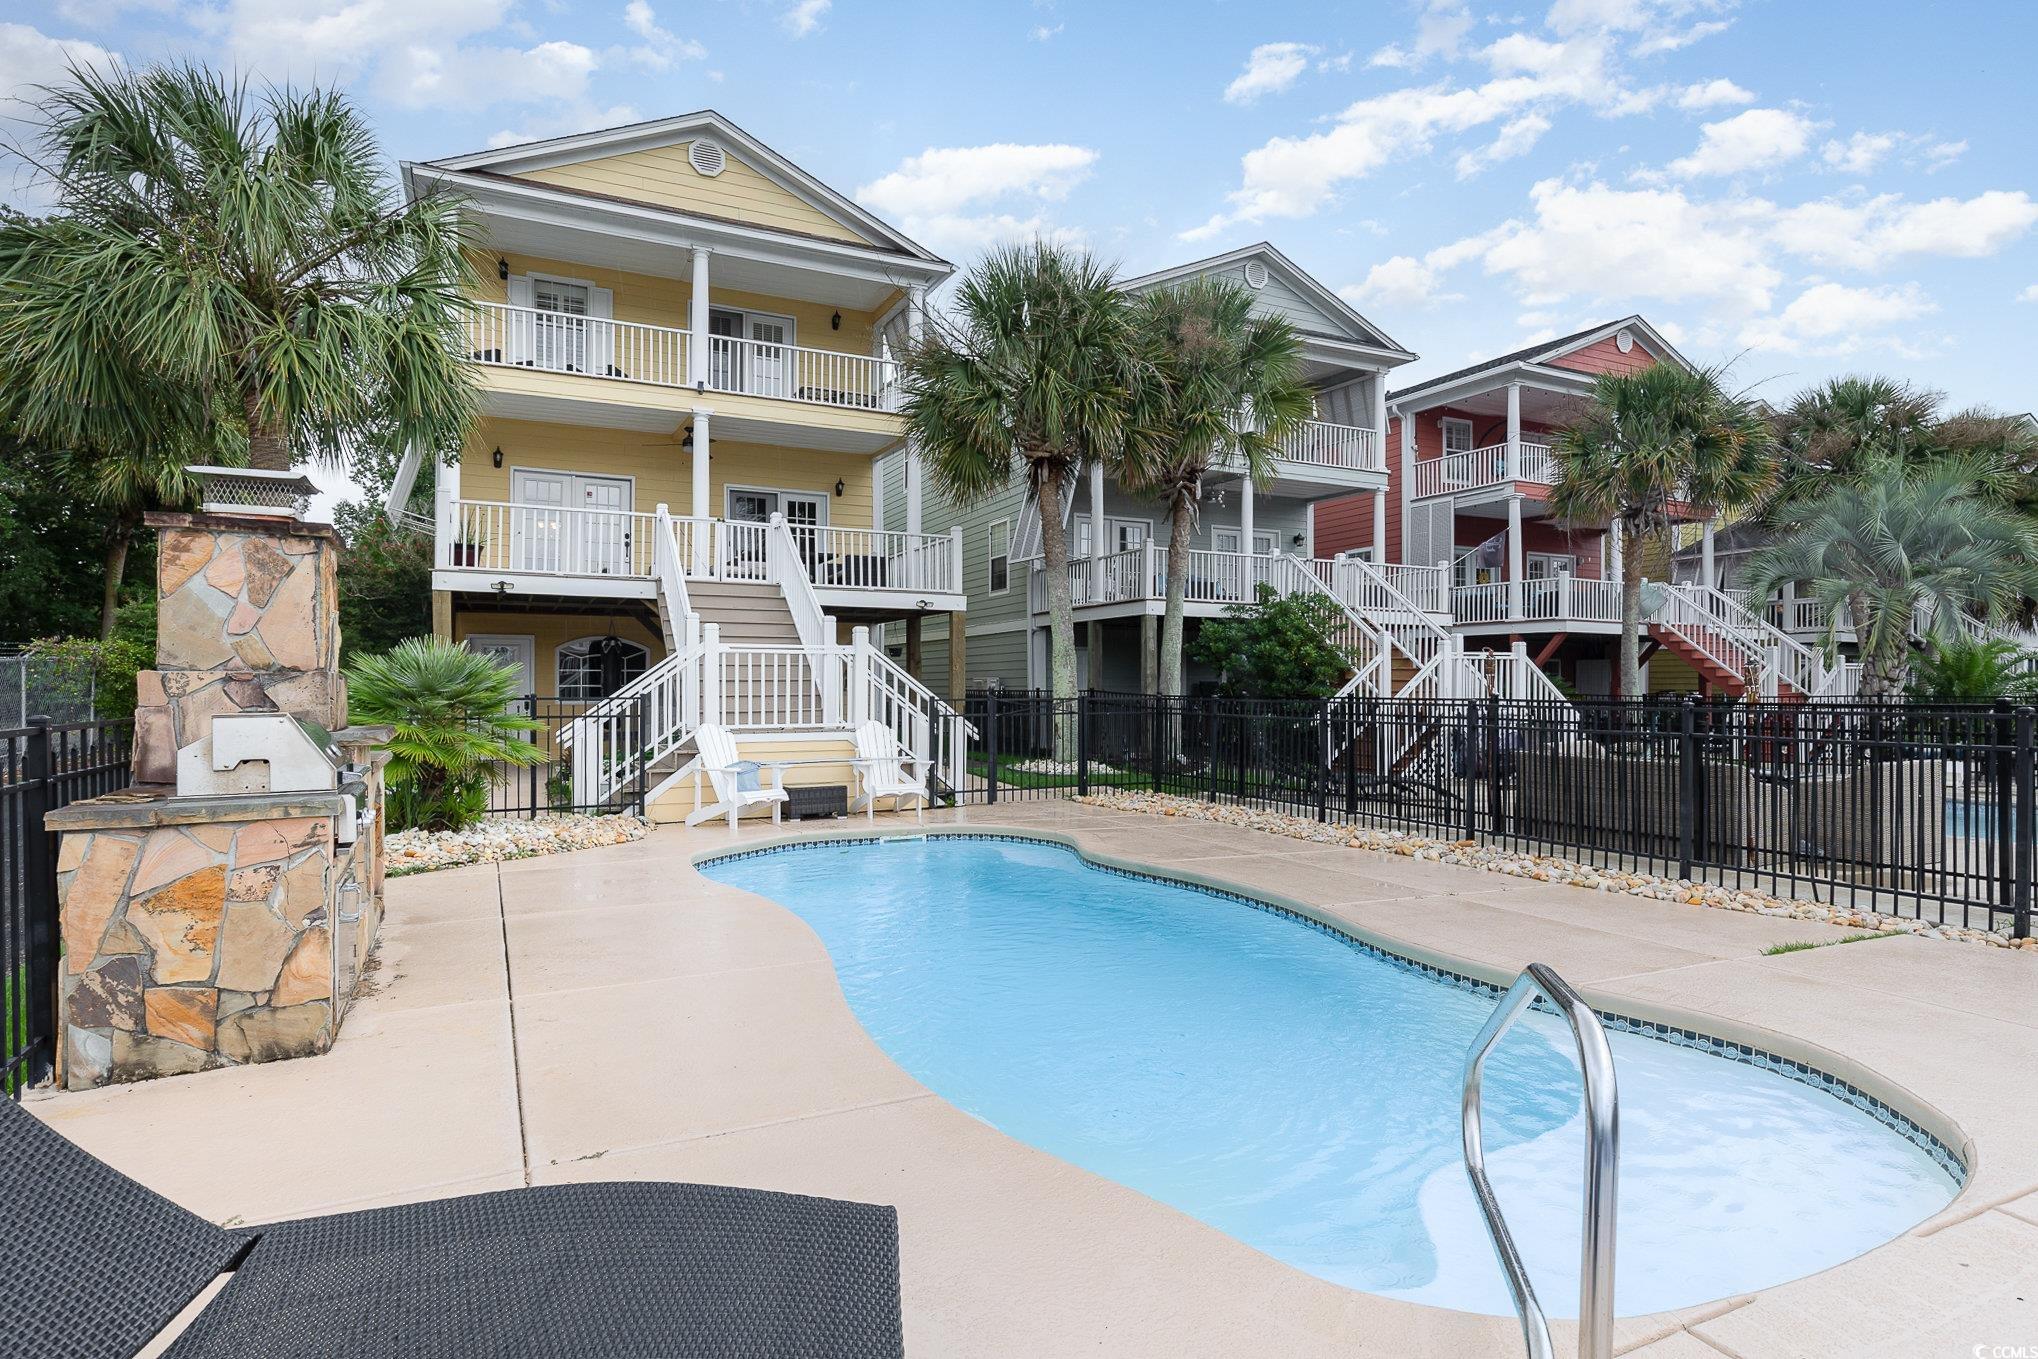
{"x":706,"y":157}
{"x":1256,"y":273}
{"x":1624,"y":341}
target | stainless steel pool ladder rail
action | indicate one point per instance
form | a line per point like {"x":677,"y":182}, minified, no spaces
{"x":1602,"y":1165}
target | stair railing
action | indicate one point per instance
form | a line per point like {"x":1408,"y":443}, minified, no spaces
{"x":787,"y":569}
{"x":931,"y":732}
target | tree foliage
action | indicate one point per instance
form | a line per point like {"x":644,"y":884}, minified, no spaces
{"x":228,"y":273}
{"x":1277,"y":646}
{"x":1650,"y":438}
{"x":1216,"y":385}
{"x":454,"y":715}
{"x":385,"y":578}
{"x":1973,"y":670}
{"x":1033,"y":376}
{"x":1899,"y":548}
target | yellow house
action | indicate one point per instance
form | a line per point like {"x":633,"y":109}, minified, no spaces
{"x":671,"y":501}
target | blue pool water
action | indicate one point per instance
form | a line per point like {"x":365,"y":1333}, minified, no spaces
{"x":1301,"y":1093}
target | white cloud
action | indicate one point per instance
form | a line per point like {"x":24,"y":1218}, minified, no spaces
{"x":2029,"y":294}
{"x":1516,"y":138}
{"x":1439,"y":32}
{"x":1870,"y":233}
{"x":966,"y":197}
{"x":1759,"y":139}
{"x":549,"y":72}
{"x":1713,"y":94}
{"x":1269,"y":69}
{"x":1834,"y":319}
{"x":1041,"y":32}
{"x":1402,"y":281}
{"x":1860,"y":153}
{"x":1671,"y":40}
{"x":30,"y":58}
{"x":660,"y":47}
{"x":803,"y":18}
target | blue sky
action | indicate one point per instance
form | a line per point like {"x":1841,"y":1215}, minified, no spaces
{"x":1801,"y":188}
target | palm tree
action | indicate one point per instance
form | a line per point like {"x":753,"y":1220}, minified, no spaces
{"x":1903,"y":548}
{"x":453,"y":717}
{"x":1031,"y":377}
{"x":246,"y":256}
{"x":1666,"y":433}
{"x":1844,"y":427}
{"x":1214,"y":377}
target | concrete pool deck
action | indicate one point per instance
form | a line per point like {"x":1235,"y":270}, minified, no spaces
{"x":611,"y":1014}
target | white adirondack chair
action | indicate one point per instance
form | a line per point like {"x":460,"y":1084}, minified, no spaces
{"x":881,"y":772}
{"x":715,"y":756}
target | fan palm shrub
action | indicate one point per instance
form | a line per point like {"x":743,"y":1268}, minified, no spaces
{"x":1906,"y":551}
{"x":1216,"y":383}
{"x":239,"y":267}
{"x":1031,"y":377}
{"x":1973,"y":670}
{"x":1666,"y":433}
{"x":454,"y":717}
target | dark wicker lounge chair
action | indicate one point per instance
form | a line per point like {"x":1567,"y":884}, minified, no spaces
{"x":96,"y":1265}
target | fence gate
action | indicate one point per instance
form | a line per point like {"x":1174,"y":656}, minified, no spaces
{"x":43,"y":766}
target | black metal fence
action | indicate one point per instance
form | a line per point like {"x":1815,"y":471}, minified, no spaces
{"x":548,"y":785}
{"x":1925,"y":811}
{"x":43,"y":766}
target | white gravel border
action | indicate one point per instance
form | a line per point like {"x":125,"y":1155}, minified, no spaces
{"x":1540,"y":867}
{"x":494,"y":839}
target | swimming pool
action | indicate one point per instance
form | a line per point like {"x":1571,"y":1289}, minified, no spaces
{"x":1299,"y":1090}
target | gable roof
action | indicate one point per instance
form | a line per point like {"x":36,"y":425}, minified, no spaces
{"x":1351,"y":326}
{"x":1548,"y":350}
{"x":512,"y":161}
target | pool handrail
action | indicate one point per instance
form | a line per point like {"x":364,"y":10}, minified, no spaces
{"x":1602,"y":1164}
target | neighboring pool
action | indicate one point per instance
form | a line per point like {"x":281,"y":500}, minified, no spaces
{"x":1300,"y":1091}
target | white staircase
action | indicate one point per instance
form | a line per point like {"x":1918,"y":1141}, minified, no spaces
{"x":1733,"y":644}
{"x":748,"y":648}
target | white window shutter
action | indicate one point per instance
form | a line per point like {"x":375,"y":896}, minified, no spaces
{"x":601,"y":339}
{"x":518,"y":333}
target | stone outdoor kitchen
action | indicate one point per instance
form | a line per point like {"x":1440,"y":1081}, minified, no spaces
{"x":219,"y":910}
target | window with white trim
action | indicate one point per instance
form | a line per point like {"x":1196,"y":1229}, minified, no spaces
{"x":1457,"y":434}
{"x":595,"y":667}
{"x":998,"y":546}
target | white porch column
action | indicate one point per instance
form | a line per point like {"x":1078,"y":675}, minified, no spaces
{"x":702,"y":508}
{"x":1514,"y":557}
{"x":1705,"y":554}
{"x":1408,"y":482}
{"x":1613,"y":551}
{"x":697,"y":322}
{"x":1379,"y":528}
{"x":1097,"y":521}
{"x":916,"y":320}
{"x":445,"y":491}
{"x":1309,"y":531}
{"x":1245,"y":514}
{"x":1514,"y":429}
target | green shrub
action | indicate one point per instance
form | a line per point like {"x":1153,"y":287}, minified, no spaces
{"x":1972,"y":670}
{"x":1277,"y":647}
{"x":454,"y":714}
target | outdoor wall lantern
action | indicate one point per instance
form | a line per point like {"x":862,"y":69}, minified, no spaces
{"x":687,"y":442}
{"x":835,"y":321}
{"x":1298,"y":540}
{"x":502,"y":269}
{"x":496,"y":457}
{"x":838,"y":487}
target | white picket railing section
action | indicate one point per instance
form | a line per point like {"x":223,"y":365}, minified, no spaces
{"x":625,"y":351}
{"x":1323,"y":444}
{"x":1474,"y":468}
{"x":551,"y":540}
{"x":772,"y":688}
{"x":554,"y":342}
{"x":791,"y":372}
{"x":882,"y":559}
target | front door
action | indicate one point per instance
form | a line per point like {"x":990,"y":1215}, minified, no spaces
{"x":561,"y":339}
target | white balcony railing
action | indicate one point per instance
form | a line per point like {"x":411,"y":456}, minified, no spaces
{"x":1578,"y":599}
{"x":1323,"y":444}
{"x":486,"y":535}
{"x":625,"y":351}
{"x":872,"y":559}
{"x":826,"y":377}
{"x":1492,"y":465}
{"x":550,"y":540}
{"x":553,"y":342}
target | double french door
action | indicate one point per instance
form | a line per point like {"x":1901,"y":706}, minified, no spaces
{"x":567,"y":522}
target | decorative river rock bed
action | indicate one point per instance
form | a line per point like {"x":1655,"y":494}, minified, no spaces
{"x":1540,"y":867}
{"x":491,"y":841}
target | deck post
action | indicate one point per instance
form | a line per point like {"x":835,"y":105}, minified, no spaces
{"x":711,"y":674}
{"x":859,"y":676}
{"x":1687,"y":786}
